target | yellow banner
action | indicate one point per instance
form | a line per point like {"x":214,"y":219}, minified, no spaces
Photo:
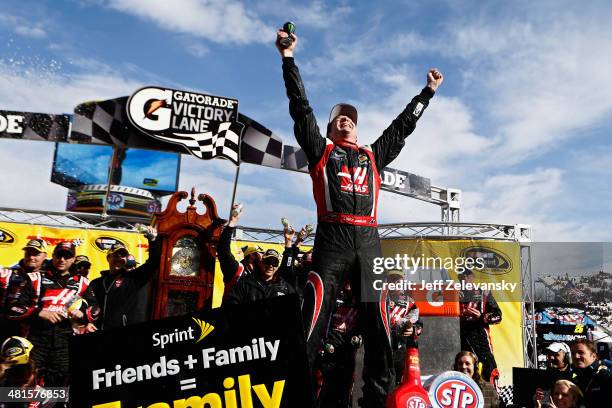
{"x":93,"y":243}
{"x":502,"y":265}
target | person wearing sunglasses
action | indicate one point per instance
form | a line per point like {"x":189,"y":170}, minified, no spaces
{"x":50,"y":302}
{"x":265,"y":282}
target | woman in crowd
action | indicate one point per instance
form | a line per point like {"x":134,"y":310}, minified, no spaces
{"x":565,"y":394}
{"x":466,"y":362}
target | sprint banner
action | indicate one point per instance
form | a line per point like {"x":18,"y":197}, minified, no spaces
{"x":236,"y":356}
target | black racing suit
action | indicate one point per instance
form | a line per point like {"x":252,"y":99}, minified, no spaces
{"x":335,"y":369}
{"x":124,"y":295}
{"x":346,"y":184}
{"x":475,"y":336}
{"x":51,"y":291}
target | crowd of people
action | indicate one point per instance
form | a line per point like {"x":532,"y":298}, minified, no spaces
{"x":44,"y":302}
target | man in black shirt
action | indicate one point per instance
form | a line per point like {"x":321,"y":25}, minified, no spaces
{"x":122,"y":294}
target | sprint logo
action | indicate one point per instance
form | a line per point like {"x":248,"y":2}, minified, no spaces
{"x":205,"y":328}
{"x":161,"y":340}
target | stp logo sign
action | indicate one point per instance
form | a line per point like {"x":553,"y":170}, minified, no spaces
{"x":416,"y":402}
{"x":453,"y":389}
{"x":456,"y":394}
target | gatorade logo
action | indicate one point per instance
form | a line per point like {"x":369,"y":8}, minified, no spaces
{"x":456,"y":394}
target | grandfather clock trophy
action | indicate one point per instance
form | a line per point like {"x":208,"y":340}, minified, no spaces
{"x":185,"y":279}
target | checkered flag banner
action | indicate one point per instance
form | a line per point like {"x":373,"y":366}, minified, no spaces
{"x":101,"y":122}
{"x":224,"y":142}
{"x":34,"y":126}
{"x":104,"y":122}
{"x":259,"y":144}
{"x":506,"y":393}
{"x":294,"y":158}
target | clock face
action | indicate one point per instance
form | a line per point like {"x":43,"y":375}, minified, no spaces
{"x":185,"y":257}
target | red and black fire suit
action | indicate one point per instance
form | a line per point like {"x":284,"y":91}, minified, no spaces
{"x":402,"y":312}
{"x":51,"y":291}
{"x":11,"y":281}
{"x":475,"y":336}
{"x":346,"y":184}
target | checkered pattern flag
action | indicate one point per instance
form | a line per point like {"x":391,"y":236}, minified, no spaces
{"x":294,"y":158}
{"x":506,"y":393}
{"x":259,"y":144}
{"x":224,"y":142}
{"x":36,"y":126}
{"x":100,"y":122}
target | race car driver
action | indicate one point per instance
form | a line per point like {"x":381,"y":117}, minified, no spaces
{"x":346,"y":184}
{"x":52,"y":300}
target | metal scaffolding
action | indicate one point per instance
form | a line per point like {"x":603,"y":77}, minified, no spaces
{"x":431,"y":230}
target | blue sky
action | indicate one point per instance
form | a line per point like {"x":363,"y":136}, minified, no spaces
{"x":521,"y":124}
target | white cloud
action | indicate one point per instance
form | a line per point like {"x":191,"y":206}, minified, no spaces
{"x":314,"y":14}
{"x":39,"y":89}
{"x":23,"y":27}
{"x":219,"y":21}
{"x":542,"y":79}
{"x":32,"y":32}
{"x":197,"y":50}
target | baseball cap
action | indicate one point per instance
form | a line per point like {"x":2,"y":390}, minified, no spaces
{"x":343,"y":109}
{"x":15,"y":350}
{"x":557,"y":347}
{"x":82,"y":259}
{"x":38,"y":244}
{"x":116,"y":248}
{"x":65,"y":246}
{"x":250,"y":249}
{"x":271,"y":253}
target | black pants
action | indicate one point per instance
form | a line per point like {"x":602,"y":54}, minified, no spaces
{"x":347,"y":252}
{"x":50,"y":353}
{"x":338,"y":375}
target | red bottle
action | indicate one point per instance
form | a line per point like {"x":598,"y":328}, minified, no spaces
{"x":410,"y":393}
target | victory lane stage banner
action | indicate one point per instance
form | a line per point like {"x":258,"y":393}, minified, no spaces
{"x":205,"y":126}
{"x":236,"y":356}
{"x":34,"y":126}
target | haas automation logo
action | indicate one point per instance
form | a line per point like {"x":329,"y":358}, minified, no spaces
{"x":354,"y":180}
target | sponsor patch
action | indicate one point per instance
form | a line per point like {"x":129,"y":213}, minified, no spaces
{"x":418,"y":109}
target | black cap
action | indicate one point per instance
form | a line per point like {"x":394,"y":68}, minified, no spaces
{"x":65,"y":246}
